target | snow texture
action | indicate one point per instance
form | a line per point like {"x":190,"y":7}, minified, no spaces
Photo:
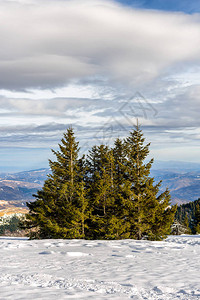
{"x":79,"y":269}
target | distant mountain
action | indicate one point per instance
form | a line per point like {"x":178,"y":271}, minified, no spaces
{"x":35,"y":176}
{"x":176,"y":166}
{"x":183,"y":186}
{"x":16,"y":189}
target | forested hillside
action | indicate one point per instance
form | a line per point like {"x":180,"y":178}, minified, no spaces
{"x":189,"y":213}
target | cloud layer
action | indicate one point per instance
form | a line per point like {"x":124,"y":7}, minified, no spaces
{"x":81,"y":63}
{"x":47,"y":45}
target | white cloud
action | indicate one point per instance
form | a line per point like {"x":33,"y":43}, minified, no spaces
{"x":46,"y":45}
{"x":77,"y":61}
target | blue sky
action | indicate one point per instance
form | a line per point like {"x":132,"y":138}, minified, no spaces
{"x":98,"y":65}
{"x":186,"y":6}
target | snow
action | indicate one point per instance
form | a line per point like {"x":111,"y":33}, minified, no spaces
{"x":80,"y":269}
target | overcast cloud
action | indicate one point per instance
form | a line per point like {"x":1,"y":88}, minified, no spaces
{"x":79,"y":62}
{"x":48,"y":45}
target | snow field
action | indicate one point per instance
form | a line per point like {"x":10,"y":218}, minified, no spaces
{"x":79,"y":269}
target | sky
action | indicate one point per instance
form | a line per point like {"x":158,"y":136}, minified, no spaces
{"x":98,"y":66}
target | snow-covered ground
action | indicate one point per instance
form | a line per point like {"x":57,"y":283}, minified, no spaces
{"x":79,"y":269}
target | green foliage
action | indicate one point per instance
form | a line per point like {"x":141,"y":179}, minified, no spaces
{"x":186,"y":225}
{"x":148,"y":213}
{"x":197,"y":220}
{"x":177,"y":228}
{"x":9,"y":224}
{"x":59,"y":210}
{"x":188,"y":215}
{"x":100,"y":181}
{"x":107,"y":195}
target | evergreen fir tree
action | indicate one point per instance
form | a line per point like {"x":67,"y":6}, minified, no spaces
{"x":59,"y":210}
{"x":101,"y":189}
{"x":177,"y":228}
{"x":149,"y":215}
{"x":119,"y":227}
{"x":186,"y":224}
{"x":197,"y":220}
{"x":164,"y":217}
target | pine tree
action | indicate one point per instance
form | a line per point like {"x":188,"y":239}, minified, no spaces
{"x":149,"y":215}
{"x":164,"y":217}
{"x":101,"y":189}
{"x":177,"y":228}
{"x":59,"y":209}
{"x":197,"y":220}
{"x":186,"y":224}
{"x":119,"y":227}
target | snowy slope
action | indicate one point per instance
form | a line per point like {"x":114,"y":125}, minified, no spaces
{"x":79,"y":269}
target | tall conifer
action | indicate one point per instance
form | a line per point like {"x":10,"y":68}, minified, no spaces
{"x":149,"y":215}
{"x":101,"y":189}
{"x":59,"y":210}
{"x":197,"y":220}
